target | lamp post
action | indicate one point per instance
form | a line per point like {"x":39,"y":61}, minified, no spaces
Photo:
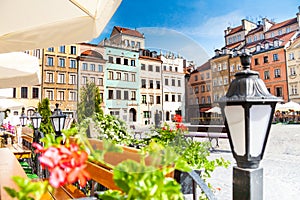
{"x":36,"y":119}
{"x":23,"y":118}
{"x":248,"y":109}
{"x":58,"y":120}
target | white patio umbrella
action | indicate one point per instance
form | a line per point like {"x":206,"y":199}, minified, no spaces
{"x":18,"y":69}
{"x":214,"y":109}
{"x":32,"y":24}
{"x":10,"y":104}
{"x":291,"y":105}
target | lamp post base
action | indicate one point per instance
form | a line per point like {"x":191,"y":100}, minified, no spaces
{"x":247,"y":184}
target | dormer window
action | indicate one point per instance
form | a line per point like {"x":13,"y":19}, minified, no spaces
{"x":258,"y":47}
{"x":276,"y":43}
{"x":255,"y":38}
{"x":280,"y":32}
{"x":267,"y":46}
{"x":288,"y":29}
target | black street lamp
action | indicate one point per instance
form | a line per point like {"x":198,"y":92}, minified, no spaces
{"x":23,"y":118}
{"x":36,"y":119}
{"x":149,"y":111}
{"x":248,"y":110}
{"x":58,"y":120}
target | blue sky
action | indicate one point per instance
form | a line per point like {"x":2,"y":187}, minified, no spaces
{"x":194,"y":28}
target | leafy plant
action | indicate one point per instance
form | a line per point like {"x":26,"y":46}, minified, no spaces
{"x":45,"y":112}
{"x":28,"y":190}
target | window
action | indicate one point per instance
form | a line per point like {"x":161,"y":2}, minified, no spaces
{"x":151,"y":84}
{"x":202,"y":76}
{"x":133,"y":95}
{"x":132,"y":43}
{"x":72,"y":79}
{"x":176,"y":69}
{"x":125,"y":61}
{"x":144,"y":99}
{"x":49,"y":61}
{"x":278,"y":91}
{"x":224,"y":66}
{"x":110,"y":59}
{"x":173,"y":82}
{"x":132,"y":63}
{"x":266,"y":59}
{"x":24,"y":92}
{"x":118,"y":76}
{"x":165,"y":68}
{"x":72,"y":63}
{"x":275,"y":57}
{"x":50,"y":49}
{"x":72,"y":96}
{"x":225,"y":81}
{"x":126,"y":78}
{"x":133,"y":77}
{"x":179,"y":98}
{"x":196,"y":78}
{"x":143,"y":67}
{"x":157,"y":84}
{"x":232,"y":68}
{"x":84,"y":80}
{"x":288,"y":29}
{"x":61,"y":78}
{"x":35,"y":93}
{"x":143,"y":83}
{"x":166,"y":97}
{"x":207,"y":88}
{"x":266,"y":75}
{"x":100,"y":81}
{"x":256,"y":61}
{"x":138,"y":45}
{"x":49,"y":94}
{"x":110,"y":94}
{"x":179,"y":83}
{"x":92,"y":80}
{"x":203,"y":100}
{"x":173,"y":97}
{"x":49,"y":77}
{"x":170,"y":68}
{"x":157,"y":68}
{"x":277,"y":73}
{"x":92,"y":67}
{"x":100,"y":68}
{"x":73,"y":50}
{"x":118,"y":94}
{"x":110,"y":75}
{"x":62,"y":49}
{"x":202,"y":88}
{"x":150,"y":68}
{"x":196,"y":89}
{"x":126,"y":95}
{"x":61,"y":62}
{"x":208,"y":99}
{"x":157,"y":99}
{"x":291,"y":56}
{"x":60,"y":95}
{"x":118,"y":60}
{"x":126,"y":42}
{"x":166,"y":81}
{"x":292,"y":71}
{"x":294,"y":90}
{"x":84,"y":66}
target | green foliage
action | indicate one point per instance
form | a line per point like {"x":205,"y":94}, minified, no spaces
{"x":140,"y":181}
{"x":89,"y":101}
{"x":45,"y":112}
{"x":28,"y":190}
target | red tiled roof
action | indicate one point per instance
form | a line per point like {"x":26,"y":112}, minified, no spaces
{"x":234,"y":45}
{"x":205,"y":66}
{"x":282,"y":24}
{"x":255,"y":30}
{"x":128,"y":31}
{"x":252,"y":44}
{"x":235,"y":30}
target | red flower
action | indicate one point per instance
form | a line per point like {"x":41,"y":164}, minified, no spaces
{"x":178,"y":118}
{"x":66,"y":164}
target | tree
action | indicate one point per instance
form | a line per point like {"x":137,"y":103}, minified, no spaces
{"x":89,"y":101}
{"x":44,"y":110}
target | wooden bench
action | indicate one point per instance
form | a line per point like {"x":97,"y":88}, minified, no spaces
{"x":211,"y":131}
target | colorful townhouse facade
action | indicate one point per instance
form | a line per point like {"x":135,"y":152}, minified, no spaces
{"x":151,"y":86}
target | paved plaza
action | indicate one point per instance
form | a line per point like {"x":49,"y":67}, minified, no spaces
{"x":281,"y":165}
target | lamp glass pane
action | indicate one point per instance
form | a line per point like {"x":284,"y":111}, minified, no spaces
{"x":56,"y":123}
{"x":235,"y":116}
{"x":62,"y":123}
{"x":35,"y":123}
{"x":39,"y":120}
{"x":259,"y":120}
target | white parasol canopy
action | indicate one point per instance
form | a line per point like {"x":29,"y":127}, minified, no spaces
{"x":214,"y":110}
{"x":18,"y":69}
{"x":288,"y":106}
{"x":10,"y":104}
{"x":32,"y":24}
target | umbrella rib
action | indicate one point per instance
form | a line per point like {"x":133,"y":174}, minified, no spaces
{"x":81,"y":8}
